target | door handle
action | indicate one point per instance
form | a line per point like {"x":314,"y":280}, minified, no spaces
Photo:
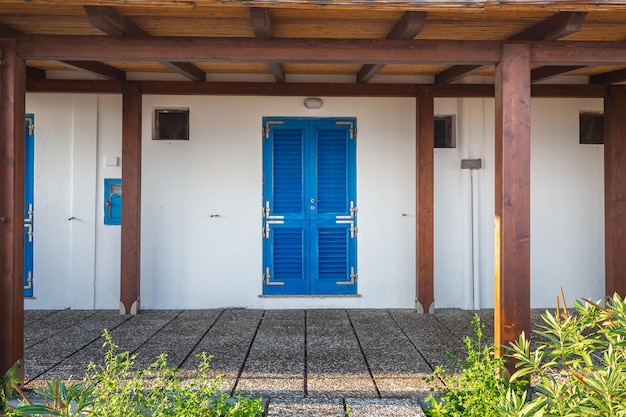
{"x":315,"y":201}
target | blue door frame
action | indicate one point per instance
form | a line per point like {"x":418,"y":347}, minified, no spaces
{"x":29,"y":172}
{"x":309,"y":210}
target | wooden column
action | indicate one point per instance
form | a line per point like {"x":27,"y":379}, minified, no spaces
{"x":512,"y":195}
{"x":424,"y":182}
{"x":615,"y":190}
{"x":12,"y":161}
{"x":131,"y":199}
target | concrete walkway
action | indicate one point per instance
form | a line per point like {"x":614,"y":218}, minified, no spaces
{"x":303,"y":362}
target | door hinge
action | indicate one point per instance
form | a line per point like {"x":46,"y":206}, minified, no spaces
{"x":29,"y":280}
{"x":31,"y":126}
{"x":354,"y":277}
{"x":350,"y":219}
{"x":352,"y":129}
{"x":268,"y":220}
{"x":265,"y":131}
{"x":266,"y":278}
{"x":28,"y":223}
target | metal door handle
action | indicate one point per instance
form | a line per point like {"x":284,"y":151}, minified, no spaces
{"x":315,"y":201}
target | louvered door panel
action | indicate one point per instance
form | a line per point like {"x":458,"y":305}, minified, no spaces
{"x":288,"y":171}
{"x":332,"y":176}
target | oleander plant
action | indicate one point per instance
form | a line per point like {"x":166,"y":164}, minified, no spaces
{"x":115,"y":389}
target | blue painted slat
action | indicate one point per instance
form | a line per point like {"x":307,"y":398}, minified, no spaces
{"x":332,"y":254}
{"x":29,"y":201}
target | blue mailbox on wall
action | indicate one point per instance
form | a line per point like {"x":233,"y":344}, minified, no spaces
{"x":113,"y":201}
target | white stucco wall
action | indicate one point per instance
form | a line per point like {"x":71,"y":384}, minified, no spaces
{"x":193,"y":260}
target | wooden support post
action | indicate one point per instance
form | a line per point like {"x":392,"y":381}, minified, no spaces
{"x":424,"y":182}
{"x":615,"y":190}
{"x":512,"y":195}
{"x":131,"y":199}
{"x":12,"y":161}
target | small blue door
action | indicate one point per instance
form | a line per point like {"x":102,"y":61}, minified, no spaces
{"x":309,"y":210}
{"x":28,"y":204}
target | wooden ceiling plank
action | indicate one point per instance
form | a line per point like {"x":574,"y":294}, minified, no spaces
{"x":612,"y":77}
{"x":545,"y":73}
{"x":555,"y":27}
{"x":456,"y":72}
{"x":97,"y":68}
{"x":108,"y":20}
{"x":383,"y":51}
{"x":187,"y":69}
{"x":408,"y":27}
{"x":262,"y":28}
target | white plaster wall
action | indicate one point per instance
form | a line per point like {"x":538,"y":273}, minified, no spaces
{"x":193,"y":260}
{"x":567,"y":206}
{"x":76,"y":257}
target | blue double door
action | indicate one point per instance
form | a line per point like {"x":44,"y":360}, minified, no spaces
{"x":309,"y":213}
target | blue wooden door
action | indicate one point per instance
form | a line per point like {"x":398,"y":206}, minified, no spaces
{"x":309,"y":211}
{"x":28,"y":204}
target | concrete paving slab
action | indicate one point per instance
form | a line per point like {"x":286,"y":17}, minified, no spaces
{"x":51,"y":324}
{"x":384,"y":408}
{"x":308,"y":407}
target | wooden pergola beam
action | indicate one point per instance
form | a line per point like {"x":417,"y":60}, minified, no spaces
{"x":267,"y":50}
{"x":109,"y":21}
{"x":612,"y":77}
{"x":408,"y":27}
{"x":615,"y":190}
{"x":97,"y":68}
{"x":131,"y":208}
{"x":555,"y":27}
{"x":545,"y":73}
{"x":262,"y":28}
{"x":12,"y":157}
{"x":512,"y":196}
{"x":307,"y":89}
{"x":424,"y":191}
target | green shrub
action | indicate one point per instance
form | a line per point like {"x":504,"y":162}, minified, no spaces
{"x":579,"y":367}
{"x":113,"y":389}
{"x":474,"y":387}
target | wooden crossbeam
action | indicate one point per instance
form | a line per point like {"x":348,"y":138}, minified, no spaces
{"x":31,"y":72}
{"x":408,"y":27}
{"x":262,"y":28}
{"x":545,"y":73}
{"x":612,"y":77}
{"x":97,"y":68}
{"x":555,"y":27}
{"x":109,"y":21}
{"x":286,"y":50}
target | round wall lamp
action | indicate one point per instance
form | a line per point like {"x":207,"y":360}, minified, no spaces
{"x":313,"y":102}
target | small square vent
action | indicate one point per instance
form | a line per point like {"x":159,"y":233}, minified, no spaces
{"x":171,"y":124}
